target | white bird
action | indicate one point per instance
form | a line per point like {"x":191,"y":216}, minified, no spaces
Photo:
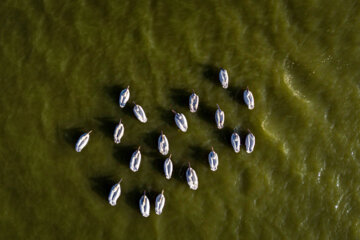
{"x":114,"y":193}
{"x":192,"y":178}
{"x":119,"y":132}
{"x":224,"y":78}
{"x":144,"y":205}
{"x":250,"y":142}
{"x":139,"y":113}
{"x":124,"y":97}
{"x":213,"y":160}
{"x":219,"y":117}
{"x":168,"y":167}
{"x":135,"y":160}
{"x":159,"y":203}
{"x":235,"y":142}
{"x":163,"y":144}
{"x":180,"y":121}
{"x":249,"y":99}
{"x":83,"y":141}
{"x":193,"y":102}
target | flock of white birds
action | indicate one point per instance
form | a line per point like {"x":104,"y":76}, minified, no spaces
{"x":163,"y":144}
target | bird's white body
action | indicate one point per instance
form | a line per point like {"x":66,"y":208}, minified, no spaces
{"x":163,"y":144}
{"x":192,"y":178}
{"x":181,"y":122}
{"x":114,"y":194}
{"x":213,"y":160}
{"x":235,"y":142}
{"x":82,"y":142}
{"x":135,"y":160}
{"x":159,"y":203}
{"x":193,"y":102}
{"x":168,"y":168}
{"x":249,"y":99}
{"x":144,"y":205}
{"x":250,"y":142}
{"x":224,"y":78}
{"x":124,"y":97}
{"x":219,"y":118}
{"x":119,"y":132}
{"x":140,"y":113}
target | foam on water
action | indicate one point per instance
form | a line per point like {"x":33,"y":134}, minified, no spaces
{"x":288,"y":82}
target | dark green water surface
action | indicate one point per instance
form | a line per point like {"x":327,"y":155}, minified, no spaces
{"x":64,"y":63}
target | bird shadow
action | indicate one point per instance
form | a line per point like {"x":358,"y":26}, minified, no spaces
{"x":224,"y":135}
{"x":122,"y":154}
{"x":180,"y":96}
{"x":71,"y":135}
{"x":199,"y":154}
{"x":151,"y":139}
{"x":158,"y":164}
{"x":236,"y":94}
{"x":107,"y":125}
{"x":210,"y":72}
{"x":132,"y":197}
{"x":207,"y":113}
{"x":242,"y":134}
{"x":113,"y":92}
{"x":128,"y":109}
{"x":179,"y":171}
{"x":167,"y":116}
{"x":152,"y":194}
{"x":102,"y":185}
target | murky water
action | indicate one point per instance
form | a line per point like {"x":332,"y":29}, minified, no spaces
{"x":63,"y":66}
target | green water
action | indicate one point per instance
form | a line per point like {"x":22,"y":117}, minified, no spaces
{"x":64,"y":63}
